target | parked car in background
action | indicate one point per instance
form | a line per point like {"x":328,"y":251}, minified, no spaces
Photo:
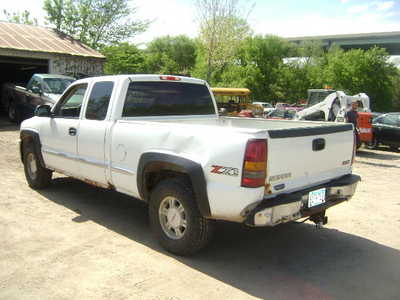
{"x":266,"y":106}
{"x":20,"y":102}
{"x":281,"y":105}
{"x":280,"y":114}
{"x":375,"y":115}
{"x":386,"y":131}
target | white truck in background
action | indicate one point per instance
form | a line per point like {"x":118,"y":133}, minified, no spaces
{"x":160,"y":139}
{"x":331,"y":105}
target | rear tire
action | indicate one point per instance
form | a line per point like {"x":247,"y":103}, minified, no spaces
{"x":175,"y":218}
{"x":37,"y":176}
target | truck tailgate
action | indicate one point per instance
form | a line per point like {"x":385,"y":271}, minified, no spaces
{"x":308,"y":156}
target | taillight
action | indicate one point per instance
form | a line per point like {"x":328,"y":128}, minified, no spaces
{"x":255,"y":164}
{"x":175,"y":78}
{"x":354,"y":147}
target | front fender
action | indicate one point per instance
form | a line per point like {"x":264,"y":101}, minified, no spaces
{"x":27,"y":134}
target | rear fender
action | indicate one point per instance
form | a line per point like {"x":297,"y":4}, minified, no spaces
{"x":158,"y":162}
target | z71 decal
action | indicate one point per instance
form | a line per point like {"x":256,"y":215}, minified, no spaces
{"x":224,"y":170}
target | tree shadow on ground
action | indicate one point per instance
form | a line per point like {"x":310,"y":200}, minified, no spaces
{"x":378,"y":164}
{"x":6,"y":125}
{"x":293,"y":261}
{"x":387,"y":155}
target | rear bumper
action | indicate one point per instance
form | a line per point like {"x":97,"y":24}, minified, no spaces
{"x":289,"y":207}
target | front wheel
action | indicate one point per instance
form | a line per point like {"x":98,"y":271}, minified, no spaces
{"x":175,"y":219}
{"x":37,"y":176}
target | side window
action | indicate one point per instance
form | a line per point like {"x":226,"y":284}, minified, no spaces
{"x":35,"y":85}
{"x":99,"y":100}
{"x":70,"y":105}
{"x":389,"y":120}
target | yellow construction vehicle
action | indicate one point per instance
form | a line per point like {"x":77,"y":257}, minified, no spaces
{"x":236,"y":102}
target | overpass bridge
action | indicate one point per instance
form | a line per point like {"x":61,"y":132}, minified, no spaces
{"x":388,"y":40}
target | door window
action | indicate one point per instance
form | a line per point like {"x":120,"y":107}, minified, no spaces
{"x":99,"y":100}
{"x":71,"y":104}
{"x":36,"y":87}
{"x":391,"y":120}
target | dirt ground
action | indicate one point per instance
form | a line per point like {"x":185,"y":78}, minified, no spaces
{"x":74,"y":241}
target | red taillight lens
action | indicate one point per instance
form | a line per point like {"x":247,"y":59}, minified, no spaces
{"x":354,"y":147}
{"x":255,"y":164}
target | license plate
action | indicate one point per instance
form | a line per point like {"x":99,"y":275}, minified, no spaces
{"x":316,"y":197}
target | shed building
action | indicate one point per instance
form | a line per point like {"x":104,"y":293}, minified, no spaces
{"x":27,"y":49}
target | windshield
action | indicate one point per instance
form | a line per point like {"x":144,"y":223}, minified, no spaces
{"x":264,"y":104}
{"x":56,"y":85}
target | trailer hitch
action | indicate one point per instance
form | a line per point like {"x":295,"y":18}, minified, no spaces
{"x":319,"y":219}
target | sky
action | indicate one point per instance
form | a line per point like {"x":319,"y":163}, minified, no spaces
{"x":286,"y":18}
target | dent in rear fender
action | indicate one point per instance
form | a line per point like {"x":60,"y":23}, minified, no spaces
{"x":29,"y":133}
{"x":163,"y":161}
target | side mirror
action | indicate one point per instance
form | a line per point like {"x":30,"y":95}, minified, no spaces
{"x":43,"y":110}
{"x":36,"y":90}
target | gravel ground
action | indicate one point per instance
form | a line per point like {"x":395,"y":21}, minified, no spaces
{"x":74,"y":241}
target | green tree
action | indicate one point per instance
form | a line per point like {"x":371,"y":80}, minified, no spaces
{"x":222,"y":28}
{"x":123,"y":58}
{"x":20,"y":17}
{"x":367,"y":71}
{"x":172,"y":55}
{"x":95,"y":22}
{"x":396,"y":91}
{"x":263,"y":65}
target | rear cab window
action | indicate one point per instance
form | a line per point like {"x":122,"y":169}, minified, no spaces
{"x":158,"y":98}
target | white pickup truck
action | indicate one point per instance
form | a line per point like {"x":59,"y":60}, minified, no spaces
{"x":161,"y":140}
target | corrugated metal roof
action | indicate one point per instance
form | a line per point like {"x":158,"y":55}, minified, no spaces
{"x":347,"y":36}
{"x":41,"y":39}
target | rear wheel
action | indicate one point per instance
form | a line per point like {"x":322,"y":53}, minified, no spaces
{"x":37,"y":176}
{"x":175,"y":219}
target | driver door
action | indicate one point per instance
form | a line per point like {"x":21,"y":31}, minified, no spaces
{"x":59,"y":135}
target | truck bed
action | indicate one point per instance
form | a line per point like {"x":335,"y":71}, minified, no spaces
{"x":292,"y":162}
{"x":251,"y":125}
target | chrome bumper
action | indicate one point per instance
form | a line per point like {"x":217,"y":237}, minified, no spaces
{"x":289,"y":207}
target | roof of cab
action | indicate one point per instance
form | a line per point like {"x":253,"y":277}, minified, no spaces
{"x":42,"y":75}
{"x":145,"y":77}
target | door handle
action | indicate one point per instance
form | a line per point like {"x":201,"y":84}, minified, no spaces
{"x":72,"y":131}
